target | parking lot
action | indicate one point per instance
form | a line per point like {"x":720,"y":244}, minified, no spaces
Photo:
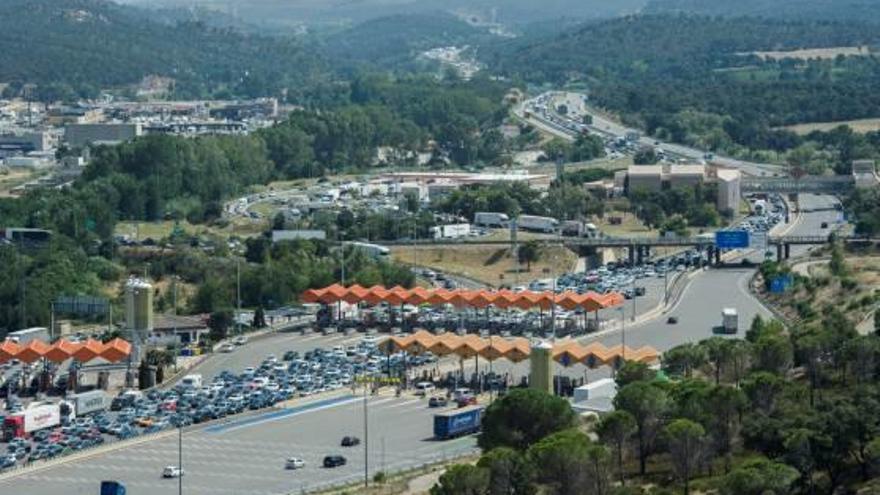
{"x":255,"y":449}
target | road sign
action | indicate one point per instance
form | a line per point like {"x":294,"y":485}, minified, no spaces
{"x":81,"y":305}
{"x":732,"y":239}
{"x":758,"y":240}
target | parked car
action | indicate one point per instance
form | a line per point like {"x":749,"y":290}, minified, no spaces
{"x":437,"y":401}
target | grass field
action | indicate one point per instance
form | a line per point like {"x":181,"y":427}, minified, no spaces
{"x":160,"y":230}
{"x":492,"y":265}
{"x":816,"y":53}
{"x":859,"y":126}
{"x":12,"y":178}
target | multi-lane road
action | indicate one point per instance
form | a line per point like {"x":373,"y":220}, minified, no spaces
{"x":246,"y":455}
{"x":575,"y":103}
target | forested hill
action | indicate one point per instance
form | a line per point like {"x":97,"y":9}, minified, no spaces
{"x":860,"y":10}
{"x":680,"y":75}
{"x":82,"y":46}
{"x":398,"y":39}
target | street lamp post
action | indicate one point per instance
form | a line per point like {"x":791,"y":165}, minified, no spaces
{"x":366,"y":439}
{"x":180,"y":459}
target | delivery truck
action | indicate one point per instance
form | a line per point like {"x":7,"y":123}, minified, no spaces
{"x":37,"y":417}
{"x":455,"y":231}
{"x":537,"y":224}
{"x":458,"y":422}
{"x":88,"y":402}
{"x":729,"y":320}
{"x":491,"y":219}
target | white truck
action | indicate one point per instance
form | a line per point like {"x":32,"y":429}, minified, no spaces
{"x":579,"y":229}
{"x":35,"y":417}
{"x":191,"y":382}
{"x":88,"y":402}
{"x":537,"y":224}
{"x":491,"y":219}
{"x":729,"y":320}
{"x":455,"y":231}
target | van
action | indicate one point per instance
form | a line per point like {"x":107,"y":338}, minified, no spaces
{"x":424,"y":388}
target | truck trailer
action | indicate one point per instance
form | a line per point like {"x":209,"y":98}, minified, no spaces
{"x":88,"y":402}
{"x":538,"y":224}
{"x":455,"y":231}
{"x":491,"y":219}
{"x":34,"y":418}
{"x":458,"y":422}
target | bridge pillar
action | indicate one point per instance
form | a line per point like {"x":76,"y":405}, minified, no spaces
{"x":641,"y":255}
{"x":632,"y":255}
{"x":787,"y":250}
{"x":779,"y":253}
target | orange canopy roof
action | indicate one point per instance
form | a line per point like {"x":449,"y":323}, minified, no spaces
{"x":116,"y":350}
{"x":567,"y":353}
{"x":33,"y":351}
{"x":8,"y":350}
{"x":61,"y":351}
{"x":91,"y":349}
{"x":461,"y":297}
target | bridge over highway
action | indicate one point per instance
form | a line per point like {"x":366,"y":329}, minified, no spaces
{"x":639,"y":247}
{"x":832,"y":185}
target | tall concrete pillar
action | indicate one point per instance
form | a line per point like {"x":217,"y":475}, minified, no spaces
{"x":787,"y":250}
{"x":541,"y":363}
{"x":640,"y":255}
{"x":779,"y":253}
{"x":632,"y":255}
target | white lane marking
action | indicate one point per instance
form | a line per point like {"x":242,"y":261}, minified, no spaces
{"x":298,"y":413}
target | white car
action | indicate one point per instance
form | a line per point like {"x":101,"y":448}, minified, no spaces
{"x":227,"y":347}
{"x":172,"y":472}
{"x":294,"y":463}
{"x":240,"y":340}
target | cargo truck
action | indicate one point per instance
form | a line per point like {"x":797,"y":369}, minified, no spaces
{"x":538,"y":224}
{"x":458,"y":422}
{"x":491,"y":219}
{"x":729,"y":320}
{"x":88,"y":402}
{"x":451,"y":231}
{"x":36,"y":417}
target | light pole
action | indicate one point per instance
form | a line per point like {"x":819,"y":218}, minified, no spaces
{"x":622,"y":333}
{"x":366,"y":439}
{"x":180,"y":459}
{"x":237,"y":295}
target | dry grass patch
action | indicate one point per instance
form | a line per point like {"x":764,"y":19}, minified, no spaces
{"x":491,"y":264}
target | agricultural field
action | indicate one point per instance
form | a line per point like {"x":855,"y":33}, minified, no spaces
{"x":860,"y":126}
{"x":816,"y":53}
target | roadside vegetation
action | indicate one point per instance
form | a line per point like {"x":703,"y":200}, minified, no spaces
{"x":784,"y":410}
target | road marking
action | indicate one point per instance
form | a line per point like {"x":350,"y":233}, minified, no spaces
{"x":279,"y":415}
{"x":405,"y":403}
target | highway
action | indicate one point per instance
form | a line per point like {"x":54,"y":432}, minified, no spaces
{"x":605,"y":126}
{"x":255,"y":448}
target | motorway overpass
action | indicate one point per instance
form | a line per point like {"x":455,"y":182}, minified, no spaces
{"x":639,"y":247}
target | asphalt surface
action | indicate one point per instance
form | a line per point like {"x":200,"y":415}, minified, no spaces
{"x":603,"y":125}
{"x":247,"y":457}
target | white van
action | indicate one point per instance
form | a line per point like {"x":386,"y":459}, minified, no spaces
{"x":424,"y":388}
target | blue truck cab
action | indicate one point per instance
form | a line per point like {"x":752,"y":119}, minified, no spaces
{"x":457,"y":422}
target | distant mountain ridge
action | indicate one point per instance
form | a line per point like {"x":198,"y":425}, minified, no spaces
{"x":81,"y":46}
{"x":840,"y":10}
